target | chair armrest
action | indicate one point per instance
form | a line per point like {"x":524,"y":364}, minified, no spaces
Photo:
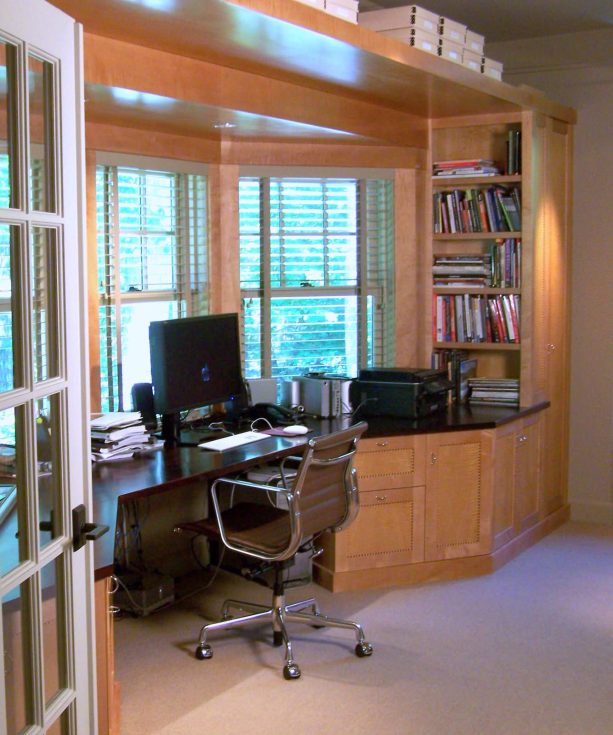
{"x":295,"y":526}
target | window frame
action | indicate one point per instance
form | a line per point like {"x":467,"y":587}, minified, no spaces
{"x":362,"y":290}
{"x":190,"y":297}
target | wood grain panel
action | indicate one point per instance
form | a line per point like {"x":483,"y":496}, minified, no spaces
{"x":527,"y":474}
{"x":289,"y":40}
{"x":124,"y":67}
{"x":503,"y":528}
{"x":224,"y":282}
{"x":459,"y":495}
{"x":390,"y":462}
{"x":389,"y":530}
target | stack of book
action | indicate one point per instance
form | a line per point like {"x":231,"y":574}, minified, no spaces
{"x":495,"y":209}
{"x":475,"y":318}
{"x":505,"y":263}
{"x":460,"y":369}
{"x":494,"y":391}
{"x":461,"y":270}
{"x":120,"y":435}
{"x":465,"y":167}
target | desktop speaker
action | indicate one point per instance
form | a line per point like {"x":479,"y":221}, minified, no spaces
{"x":142,"y":400}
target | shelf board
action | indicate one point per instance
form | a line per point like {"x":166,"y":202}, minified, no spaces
{"x":296,"y":43}
{"x":442,"y":236}
{"x":482,"y":290}
{"x":490,"y":346}
{"x":456,"y":182}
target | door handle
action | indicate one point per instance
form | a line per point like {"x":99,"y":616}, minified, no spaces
{"x":83,"y":531}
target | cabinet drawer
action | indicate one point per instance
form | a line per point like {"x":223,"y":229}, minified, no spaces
{"x":391,"y":462}
{"x":389,"y":530}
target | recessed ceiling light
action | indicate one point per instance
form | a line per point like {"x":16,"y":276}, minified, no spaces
{"x":224,"y":125}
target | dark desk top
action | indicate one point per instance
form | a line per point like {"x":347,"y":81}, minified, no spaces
{"x":165,"y":469}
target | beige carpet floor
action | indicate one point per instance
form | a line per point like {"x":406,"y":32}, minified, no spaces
{"x":525,"y":651}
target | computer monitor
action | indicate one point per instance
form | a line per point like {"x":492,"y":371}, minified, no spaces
{"x":195,"y":362}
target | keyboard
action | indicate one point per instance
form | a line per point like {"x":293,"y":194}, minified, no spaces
{"x":231,"y":442}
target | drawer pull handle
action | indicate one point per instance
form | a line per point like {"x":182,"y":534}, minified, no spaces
{"x":381,"y":498}
{"x":433,"y":458}
{"x":382,"y":444}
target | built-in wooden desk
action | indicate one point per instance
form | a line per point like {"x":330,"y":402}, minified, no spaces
{"x":164,"y":470}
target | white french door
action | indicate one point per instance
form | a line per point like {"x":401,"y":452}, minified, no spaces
{"x":46,"y":588}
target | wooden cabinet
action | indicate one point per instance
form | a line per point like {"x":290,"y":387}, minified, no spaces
{"x":389,"y":528}
{"x":496,"y":358}
{"x":108,"y":687}
{"x":517,"y":483}
{"x":441,"y":506}
{"x":458,"y":495}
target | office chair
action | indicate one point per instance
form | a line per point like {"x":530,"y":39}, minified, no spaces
{"x":320,"y":495}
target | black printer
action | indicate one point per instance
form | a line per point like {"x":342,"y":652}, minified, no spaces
{"x":411,"y":393}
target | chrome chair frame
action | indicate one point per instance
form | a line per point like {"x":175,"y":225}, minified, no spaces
{"x":279,"y":613}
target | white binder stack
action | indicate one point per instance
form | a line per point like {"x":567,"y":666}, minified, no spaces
{"x":434,"y":34}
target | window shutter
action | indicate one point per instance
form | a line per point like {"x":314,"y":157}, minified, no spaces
{"x":152,"y":264}
{"x":379,"y":231}
{"x":301,"y":275}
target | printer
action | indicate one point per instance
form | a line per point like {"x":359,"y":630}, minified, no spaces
{"x":411,"y":393}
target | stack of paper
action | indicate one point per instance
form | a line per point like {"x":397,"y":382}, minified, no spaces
{"x":120,"y":435}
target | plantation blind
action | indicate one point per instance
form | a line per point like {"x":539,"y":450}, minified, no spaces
{"x":152,"y":264}
{"x":311,"y":293}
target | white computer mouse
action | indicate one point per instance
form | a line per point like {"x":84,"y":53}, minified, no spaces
{"x":295,"y":429}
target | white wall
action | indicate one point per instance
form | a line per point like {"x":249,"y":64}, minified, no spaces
{"x":577,"y":70}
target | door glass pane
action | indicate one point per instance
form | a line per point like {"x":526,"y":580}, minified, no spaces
{"x":44,"y":269}
{"x":12,"y":543}
{"x":53,"y":670}
{"x":42,"y":164}
{"x":15,"y":642}
{"x":48,"y":470}
{"x":9,"y":325}
{"x":8,"y":190}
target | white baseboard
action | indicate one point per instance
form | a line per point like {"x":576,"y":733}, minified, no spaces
{"x":591,"y":512}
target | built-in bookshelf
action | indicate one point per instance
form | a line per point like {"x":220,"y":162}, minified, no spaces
{"x":477,"y":249}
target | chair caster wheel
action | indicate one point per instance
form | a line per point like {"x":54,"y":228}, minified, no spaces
{"x":363,"y":649}
{"x":203,"y":651}
{"x":291,"y":671}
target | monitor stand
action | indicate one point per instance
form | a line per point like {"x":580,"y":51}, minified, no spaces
{"x":173,"y":436}
{"x":171,"y":429}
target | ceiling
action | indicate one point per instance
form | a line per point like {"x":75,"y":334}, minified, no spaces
{"x":502,"y":20}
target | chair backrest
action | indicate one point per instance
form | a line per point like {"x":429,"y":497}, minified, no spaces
{"x":325,"y":486}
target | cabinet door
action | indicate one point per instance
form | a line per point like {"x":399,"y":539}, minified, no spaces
{"x":503,"y":525}
{"x":551,"y":298}
{"x":458,"y":495}
{"x":527,"y":474}
{"x":389,"y":462}
{"x":389,"y":530}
